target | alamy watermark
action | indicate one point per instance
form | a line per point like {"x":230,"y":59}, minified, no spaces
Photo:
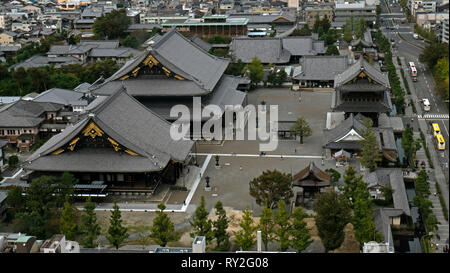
{"x":221,"y":124}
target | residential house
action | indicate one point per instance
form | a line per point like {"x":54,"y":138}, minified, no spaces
{"x":8,"y":37}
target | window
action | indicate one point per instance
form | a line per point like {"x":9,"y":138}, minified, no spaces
{"x":2,"y":132}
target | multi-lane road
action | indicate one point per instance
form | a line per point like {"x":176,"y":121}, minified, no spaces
{"x":393,"y":28}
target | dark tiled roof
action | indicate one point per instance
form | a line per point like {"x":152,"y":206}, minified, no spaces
{"x":311,"y":176}
{"x":394,"y":178}
{"x":25,"y":113}
{"x":358,"y":67}
{"x":268,"y":50}
{"x":129,"y":123}
{"x":321,"y":67}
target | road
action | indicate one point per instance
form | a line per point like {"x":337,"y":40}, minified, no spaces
{"x":410,"y":50}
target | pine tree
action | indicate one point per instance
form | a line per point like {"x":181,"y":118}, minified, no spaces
{"x":271,"y":187}
{"x":220,"y":228}
{"x":201,"y":225}
{"x":68,"y":225}
{"x":301,"y":238}
{"x":282,"y":221}
{"x":89,"y":227}
{"x":246,"y":237}
{"x":117,"y":233}
{"x":267,"y":226}
{"x":163,"y":230}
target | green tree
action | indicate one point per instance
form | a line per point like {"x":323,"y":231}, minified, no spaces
{"x":40,"y":78}
{"x":117,"y":233}
{"x":433,"y":53}
{"x":236,"y":69}
{"x":255,"y":71}
{"x":305,"y":31}
{"x":13,"y":161}
{"x":301,"y":238}
{"x":112,"y":25}
{"x":349,"y":183}
{"x":68,"y":225}
{"x":220,"y":228}
{"x":335,"y":175}
{"x":130,"y":41}
{"x":271,"y":187}
{"x":20,"y":76}
{"x":284,"y":226}
{"x":89,"y":226}
{"x":66,"y":189}
{"x":410,"y":146}
{"x":246,"y":237}
{"x":370,"y":153}
{"x":15,"y":199}
{"x":360,"y":28}
{"x":348,"y":31}
{"x":333,"y":213}
{"x":201,"y":225}
{"x":163,"y":230}
{"x":301,"y":128}
{"x":64,"y":81}
{"x":267,"y":226}
{"x":332,"y":51}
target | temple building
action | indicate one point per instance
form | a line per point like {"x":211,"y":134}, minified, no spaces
{"x":311,"y":179}
{"x":119,"y":143}
{"x":345,"y":139}
{"x":172,"y":71}
{"x":362,"y":89}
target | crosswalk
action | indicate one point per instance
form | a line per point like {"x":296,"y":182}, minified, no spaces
{"x":433,"y":116}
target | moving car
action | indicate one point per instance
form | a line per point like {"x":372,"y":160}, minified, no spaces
{"x":426,"y":105}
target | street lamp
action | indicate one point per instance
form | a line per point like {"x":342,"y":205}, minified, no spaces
{"x":207,"y":187}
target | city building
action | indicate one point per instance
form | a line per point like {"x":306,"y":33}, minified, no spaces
{"x":315,"y":71}
{"x":308,"y":182}
{"x":345,"y":10}
{"x":210,"y":26}
{"x":444,"y":32}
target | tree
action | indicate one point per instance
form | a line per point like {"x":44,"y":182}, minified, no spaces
{"x":370,"y":154}
{"x":332,"y":215}
{"x":20,"y":76}
{"x":15,"y":199}
{"x":246,"y":237}
{"x":283,"y":230}
{"x":112,"y":25}
{"x":89,"y":227}
{"x":117,"y":233}
{"x":163,"y":230}
{"x":360,"y":28}
{"x":271,"y":187}
{"x":220,"y":228}
{"x":301,"y":238}
{"x":348,"y":31}
{"x":305,"y":31}
{"x":255,"y":71}
{"x":410,"y":146}
{"x":130,"y":41}
{"x":13,"y":161}
{"x":433,"y":53}
{"x":335,"y":175}
{"x":201,"y":225}
{"x":332,"y":51}
{"x":301,"y":128}
{"x":66,"y":188}
{"x":40,"y":78}
{"x":236,"y":69}
{"x":64,"y":81}
{"x":267,"y":226}
{"x":68,"y":225}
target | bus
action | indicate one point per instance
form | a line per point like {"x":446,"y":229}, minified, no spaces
{"x":413,"y":71}
{"x":436,"y":129}
{"x":440,"y":142}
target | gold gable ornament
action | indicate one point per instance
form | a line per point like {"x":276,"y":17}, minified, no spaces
{"x":92,"y":130}
{"x":57,"y":152}
{"x":73,"y":144}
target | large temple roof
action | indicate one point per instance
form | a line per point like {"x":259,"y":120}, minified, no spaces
{"x":362,"y":67}
{"x":140,"y":141}
{"x":311,"y":176}
{"x":189,"y":70}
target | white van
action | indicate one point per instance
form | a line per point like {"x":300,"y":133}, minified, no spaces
{"x":416,"y":36}
{"x":426,"y":105}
